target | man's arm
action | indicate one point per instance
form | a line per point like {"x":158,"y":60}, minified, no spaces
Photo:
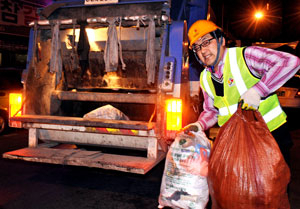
{"x":274,"y":68}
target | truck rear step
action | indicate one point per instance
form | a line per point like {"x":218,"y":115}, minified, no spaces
{"x":132,"y":164}
{"x":134,"y":135}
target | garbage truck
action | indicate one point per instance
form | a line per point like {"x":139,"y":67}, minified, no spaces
{"x":107,"y":83}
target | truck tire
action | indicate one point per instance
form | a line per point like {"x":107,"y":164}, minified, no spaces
{"x":3,"y":123}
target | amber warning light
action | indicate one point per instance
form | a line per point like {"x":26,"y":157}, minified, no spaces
{"x":15,"y":107}
{"x":174,"y":114}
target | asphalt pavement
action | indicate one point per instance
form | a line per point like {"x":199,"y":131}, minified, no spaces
{"x":27,"y":185}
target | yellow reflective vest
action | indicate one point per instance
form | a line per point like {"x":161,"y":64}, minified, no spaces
{"x":237,"y":79}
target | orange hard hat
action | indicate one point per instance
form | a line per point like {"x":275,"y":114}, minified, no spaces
{"x":199,"y":29}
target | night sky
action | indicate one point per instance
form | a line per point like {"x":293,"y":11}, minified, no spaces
{"x":281,"y":22}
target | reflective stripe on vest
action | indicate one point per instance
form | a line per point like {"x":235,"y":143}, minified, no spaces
{"x":272,"y":114}
{"x":224,"y":110}
{"x":206,"y":85}
{"x":267,"y":117}
{"x":236,"y":70}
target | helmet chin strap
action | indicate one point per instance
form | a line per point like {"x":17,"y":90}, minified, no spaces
{"x":219,"y":43}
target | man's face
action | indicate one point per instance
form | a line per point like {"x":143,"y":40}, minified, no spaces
{"x":207,"y":49}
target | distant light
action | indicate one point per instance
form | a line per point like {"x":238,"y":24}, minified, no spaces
{"x":258,"y":15}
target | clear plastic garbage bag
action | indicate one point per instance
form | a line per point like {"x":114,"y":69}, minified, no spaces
{"x":184,"y":181}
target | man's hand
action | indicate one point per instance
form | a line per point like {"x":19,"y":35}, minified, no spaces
{"x":250,"y":100}
{"x":192,"y":127}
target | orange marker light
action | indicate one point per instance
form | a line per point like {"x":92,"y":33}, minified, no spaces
{"x":174,"y":114}
{"x":15,"y":104}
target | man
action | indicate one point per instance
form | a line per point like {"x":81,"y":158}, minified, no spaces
{"x":250,"y":75}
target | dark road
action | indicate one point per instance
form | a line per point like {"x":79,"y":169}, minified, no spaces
{"x":35,"y":185}
{"x":26,"y":185}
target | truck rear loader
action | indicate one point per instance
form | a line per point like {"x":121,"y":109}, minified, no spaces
{"x":128,"y":56}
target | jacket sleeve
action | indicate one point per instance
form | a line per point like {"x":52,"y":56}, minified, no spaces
{"x":274,"y":68}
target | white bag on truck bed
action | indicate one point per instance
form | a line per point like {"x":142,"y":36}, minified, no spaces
{"x":184,"y":182}
{"x":107,"y":112}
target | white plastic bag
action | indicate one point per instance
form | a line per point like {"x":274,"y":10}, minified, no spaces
{"x":107,"y":112}
{"x":184,"y":181}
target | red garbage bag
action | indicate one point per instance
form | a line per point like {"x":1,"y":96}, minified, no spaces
{"x":246,"y":168}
